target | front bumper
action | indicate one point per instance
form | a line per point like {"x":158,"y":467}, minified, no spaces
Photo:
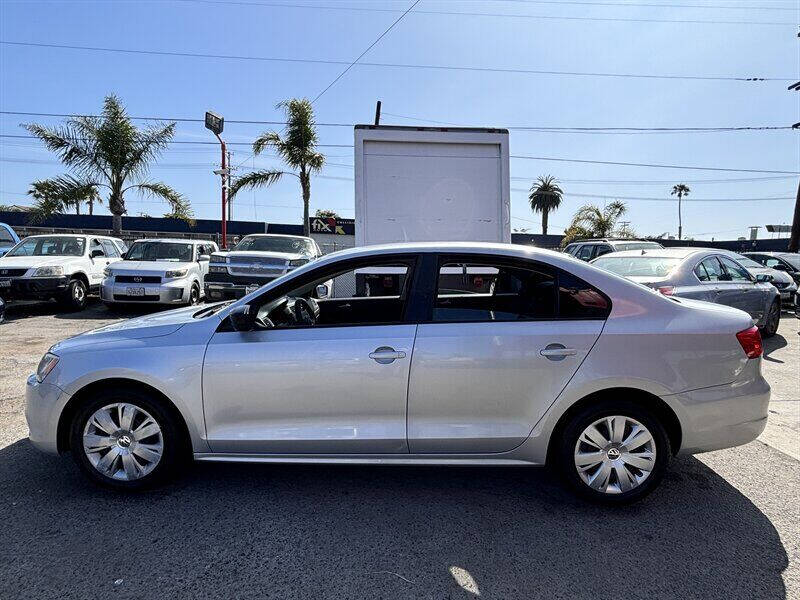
{"x":223,"y":286}
{"x":43,"y":405}
{"x":172,"y":292}
{"x":32,"y":288}
{"x":723,"y":416}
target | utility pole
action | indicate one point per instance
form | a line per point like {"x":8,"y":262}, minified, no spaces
{"x":215,"y":123}
{"x":794,"y":238}
{"x":230,"y":170}
{"x":378,"y":113}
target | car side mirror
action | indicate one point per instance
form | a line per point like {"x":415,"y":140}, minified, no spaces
{"x":124,"y":255}
{"x":764,"y":278}
{"x":322,"y":291}
{"x":242,"y":319}
{"x":97,"y":253}
{"x":204,"y":258}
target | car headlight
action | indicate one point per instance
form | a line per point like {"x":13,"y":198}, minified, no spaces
{"x":47,"y":364}
{"x":298,"y":262}
{"x":175,"y":274}
{"x":48,"y":272}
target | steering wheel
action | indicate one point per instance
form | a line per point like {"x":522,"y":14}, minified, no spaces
{"x":306,"y":311}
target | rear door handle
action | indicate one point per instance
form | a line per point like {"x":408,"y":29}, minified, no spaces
{"x":557,"y":352}
{"x":386,"y":354}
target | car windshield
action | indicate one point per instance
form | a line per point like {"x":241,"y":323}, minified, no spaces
{"x":638,"y":266}
{"x":51,"y":245}
{"x":747,"y":263}
{"x":287,"y":245}
{"x":168,"y":251}
{"x":5,"y":235}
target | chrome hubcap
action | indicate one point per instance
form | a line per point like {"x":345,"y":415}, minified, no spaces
{"x":78,"y":292}
{"x":123,"y":441}
{"x":615,"y":454}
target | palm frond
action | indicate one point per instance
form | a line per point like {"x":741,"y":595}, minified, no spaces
{"x":256,"y":179}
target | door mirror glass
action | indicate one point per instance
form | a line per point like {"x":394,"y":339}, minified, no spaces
{"x":779,"y":267}
{"x":242,"y":319}
{"x":322,"y":291}
{"x":763,"y":278}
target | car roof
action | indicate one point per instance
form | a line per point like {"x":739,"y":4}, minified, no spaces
{"x":282,"y":235}
{"x":662,"y":252}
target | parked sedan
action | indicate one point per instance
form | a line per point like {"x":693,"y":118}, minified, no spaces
{"x":700,"y":274}
{"x":781,"y":280}
{"x":788,"y":262}
{"x":554,"y":362}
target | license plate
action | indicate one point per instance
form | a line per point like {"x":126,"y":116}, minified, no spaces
{"x":135,"y":291}
{"x":5,"y":283}
{"x":251,"y":288}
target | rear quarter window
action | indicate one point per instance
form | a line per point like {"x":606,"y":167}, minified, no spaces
{"x":579,"y":300}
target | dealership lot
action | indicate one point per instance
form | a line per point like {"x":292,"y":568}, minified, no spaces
{"x":723,"y":524}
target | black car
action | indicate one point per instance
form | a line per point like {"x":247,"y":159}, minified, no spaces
{"x":780,"y":261}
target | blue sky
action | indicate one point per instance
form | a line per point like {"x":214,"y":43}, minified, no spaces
{"x":48,"y":80}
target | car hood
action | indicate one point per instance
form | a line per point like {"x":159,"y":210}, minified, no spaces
{"x":149,"y":266}
{"x":36,"y":261}
{"x":776,"y":275}
{"x":147,"y":326}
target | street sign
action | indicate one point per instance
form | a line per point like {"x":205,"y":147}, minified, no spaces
{"x":214,"y":122}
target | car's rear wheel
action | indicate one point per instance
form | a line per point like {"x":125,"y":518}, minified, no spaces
{"x":75,"y":296}
{"x":773,"y":320}
{"x":125,"y":439}
{"x":613,"y":452}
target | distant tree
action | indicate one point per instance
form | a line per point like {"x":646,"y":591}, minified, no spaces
{"x":545,"y":196}
{"x":110,"y":152}
{"x":680,"y":190}
{"x":326,"y":213}
{"x":593,"y":222}
{"x":298,"y":149}
{"x":60,"y":194}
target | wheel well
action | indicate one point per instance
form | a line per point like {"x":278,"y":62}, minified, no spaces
{"x":661,"y":409}
{"x":85,"y":393}
{"x":82,"y":277}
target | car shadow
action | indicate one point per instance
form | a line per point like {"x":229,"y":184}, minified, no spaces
{"x":95,"y":309}
{"x":294,"y":531}
{"x":771,"y":344}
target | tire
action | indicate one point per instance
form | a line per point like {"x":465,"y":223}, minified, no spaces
{"x":76,"y":295}
{"x":194,"y":295}
{"x":772,"y":320}
{"x":154,"y":458}
{"x":571,"y":450}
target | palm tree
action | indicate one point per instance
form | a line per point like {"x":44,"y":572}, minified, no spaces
{"x":57,"y":195}
{"x":109,"y":151}
{"x":298,"y":149}
{"x":545,"y":196}
{"x":680,"y":191}
{"x":590,"y":221}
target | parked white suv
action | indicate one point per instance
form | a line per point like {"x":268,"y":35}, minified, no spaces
{"x":159,"y":271}
{"x":60,"y":266}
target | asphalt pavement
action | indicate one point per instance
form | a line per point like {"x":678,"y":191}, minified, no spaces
{"x":722,"y":525}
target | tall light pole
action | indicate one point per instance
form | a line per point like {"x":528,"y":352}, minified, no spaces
{"x":215,"y":123}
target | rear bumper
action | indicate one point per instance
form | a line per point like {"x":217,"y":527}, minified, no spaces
{"x":724,"y":416}
{"x":39,"y":288}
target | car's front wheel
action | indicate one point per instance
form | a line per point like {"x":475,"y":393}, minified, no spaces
{"x":125,"y":439}
{"x":75,"y":296}
{"x":613,"y":452}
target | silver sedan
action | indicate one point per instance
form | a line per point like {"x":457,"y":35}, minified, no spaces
{"x":420,"y":354}
{"x":701,"y":274}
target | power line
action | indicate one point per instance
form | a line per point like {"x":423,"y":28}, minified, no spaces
{"x":542,"y":128}
{"x":488,"y":14}
{"x":637,"y":5}
{"x":33,"y":137}
{"x":657,"y":199}
{"x":370,"y":47}
{"x":400,"y":65}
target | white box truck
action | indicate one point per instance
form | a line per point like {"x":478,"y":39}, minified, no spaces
{"x":423,"y":184}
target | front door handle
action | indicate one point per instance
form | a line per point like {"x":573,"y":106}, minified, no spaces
{"x":386,"y":354}
{"x":557,"y":352}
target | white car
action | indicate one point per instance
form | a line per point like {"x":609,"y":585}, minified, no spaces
{"x":61,"y":266}
{"x":554,"y":362}
{"x":257,"y":259}
{"x":159,"y":271}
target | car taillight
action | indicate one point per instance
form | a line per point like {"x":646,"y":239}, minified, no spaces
{"x":750,"y":339}
{"x":667,"y":290}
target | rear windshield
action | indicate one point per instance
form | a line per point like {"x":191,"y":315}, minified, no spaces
{"x":619,"y":247}
{"x":169,"y":251}
{"x":792,"y":259}
{"x":747,"y":263}
{"x":5,"y":235}
{"x":638,"y":266}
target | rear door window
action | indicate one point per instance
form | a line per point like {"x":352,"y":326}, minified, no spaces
{"x":110,"y":249}
{"x":735,"y":271}
{"x":585,"y":253}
